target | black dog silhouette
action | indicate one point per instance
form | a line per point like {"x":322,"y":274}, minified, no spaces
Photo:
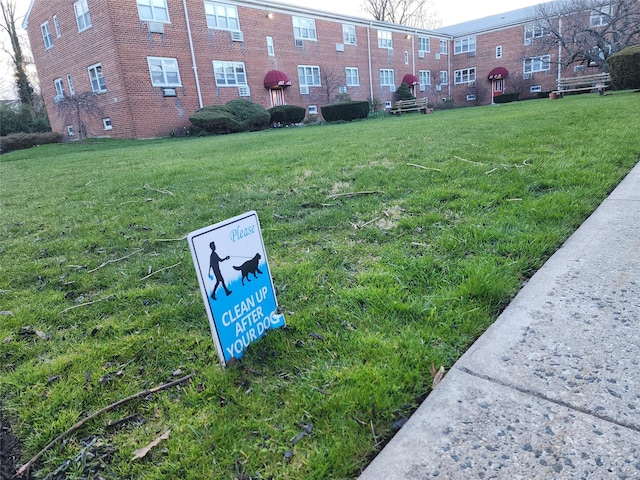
{"x":250,"y":266}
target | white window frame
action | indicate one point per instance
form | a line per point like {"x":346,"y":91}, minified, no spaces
{"x":106,"y":122}
{"x":535,"y":89}
{"x":70,"y":131}
{"x":56,"y":26}
{"x":444,"y":77}
{"x":47,"y":38}
{"x":72,"y":91}
{"x":349,"y":34}
{"x":353,"y":76}
{"x":271,"y":51}
{"x":155,"y":7}
{"x":406,"y":57}
{"x":167,"y":65}
{"x":387,"y":77}
{"x":537,"y":64}
{"x":464,"y":75}
{"x":444,"y":49}
{"x":83,"y":19}
{"x":304,"y":28}
{"x":221,"y":16}
{"x":385,"y":39}
{"x":534,"y":30}
{"x":230,"y":74}
{"x":464,"y":45}
{"x":309,"y":72}
{"x":424,"y":78}
{"x":499,"y":51}
{"x":59,"y":86}
{"x":313,"y":109}
{"x":600,"y":16}
{"x":96,"y":78}
{"x":424,"y":45}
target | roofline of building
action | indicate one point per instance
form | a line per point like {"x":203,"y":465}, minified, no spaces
{"x":25,"y":22}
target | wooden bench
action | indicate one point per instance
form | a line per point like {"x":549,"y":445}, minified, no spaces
{"x":415,"y":105}
{"x":598,"y":81}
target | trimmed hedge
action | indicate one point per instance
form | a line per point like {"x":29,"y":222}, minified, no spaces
{"x":345,"y":111}
{"x":624,"y":68}
{"x":287,"y":114}
{"x":20,"y":141}
{"x":238,"y":115}
{"x":506,"y":98}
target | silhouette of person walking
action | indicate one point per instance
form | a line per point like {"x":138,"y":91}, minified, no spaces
{"x":214,"y":264}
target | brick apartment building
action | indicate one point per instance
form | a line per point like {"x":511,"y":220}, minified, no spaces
{"x":152,"y":63}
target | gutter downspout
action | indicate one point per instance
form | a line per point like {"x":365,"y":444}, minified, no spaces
{"x":559,"y":51}
{"x":193,"y":54}
{"x":369,"y":53}
{"x":449,"y":76}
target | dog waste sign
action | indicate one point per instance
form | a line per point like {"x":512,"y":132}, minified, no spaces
{"x":235,"y":282}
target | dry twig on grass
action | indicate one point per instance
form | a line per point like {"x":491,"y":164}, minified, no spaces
{"x":479,"y":164}
{"x":106,"y":409}
{"x":170,"y":239}
{"x":114,"y":260}
{"x":85,"y":304}
{"x":161,"y":270}
{"x":424,"y":168}
{"x":165,"y":192}
{"x":353,"y":194}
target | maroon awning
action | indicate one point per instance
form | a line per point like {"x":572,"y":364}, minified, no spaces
{"x":275,"y":79}
{"x":410,"y":79}
{"x":498,"y":73}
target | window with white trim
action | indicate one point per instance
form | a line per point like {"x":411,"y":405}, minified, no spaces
{"x":72,"y":90}
{"x":107,"y":123}
{"x":353,"y":78}
{"x":385,"y":39}
{"x":499,"y":51}
{"x":221,"y":16}
{"x":349,"y":34}
{"x":443,"y":47}
{"x":304,"y":28}
{"x":387,"y":77}
{"x":406,"y":57}
{"x":424,"y":45}
{"x":56,"y":25}
{"x":313,"y":109}
{"x":153,"y":10}
{"x":444,"y":77}
{"x":537,"y":64}
{"x":309,"y":75}
{"x":600,"y":16}
{"x":424,"y":78}
{"x":465,"y":75}
{"x":230,"y":74}
{"x":164,"y":72}
{"x":59,"y":89}
{"x":97,"y":78}
{"x":464,"y":45}
{"x":270,"y":49}
{"x":535,"y":88}
{"x":82,"y":15}
{"x":70,"y":131}
{"x":534,"y":30}
{"x":46,"y":35}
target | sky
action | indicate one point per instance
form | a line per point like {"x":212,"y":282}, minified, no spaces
{"x":449,"y":11}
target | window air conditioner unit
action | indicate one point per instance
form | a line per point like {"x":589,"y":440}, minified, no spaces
{"x":156,"y":27}
{"x":304,"y":90}
{"x":298,"y":42}
{"x":339,"y":47}
{"x":423,"y":88}
{"x":342,"y":89}
{"x":437,"y":56}
{"x":244,"y":91}
{"x":526,"y":76}
{"x":237,"y":36}
{"x":438,"y":88}
{"x":392,"y":88}
{"x":420,"y":54}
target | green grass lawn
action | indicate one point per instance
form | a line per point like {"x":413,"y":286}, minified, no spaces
{"x":451,"y":214}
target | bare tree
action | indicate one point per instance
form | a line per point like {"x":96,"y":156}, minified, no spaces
{"x":331,"y":80}
{"x":413,"y":13}
{"x":8,"y":25}
{"x":588,"y":31}
{"x":76,"y":109}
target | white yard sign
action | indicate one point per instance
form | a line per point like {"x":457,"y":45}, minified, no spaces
{"x":235,"y":282}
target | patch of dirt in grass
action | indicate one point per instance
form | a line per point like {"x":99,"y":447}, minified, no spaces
{"x":10,"y":450}
{"x":339,"y":187}
{"x":390,"y":218}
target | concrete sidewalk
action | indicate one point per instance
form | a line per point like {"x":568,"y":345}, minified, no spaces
{"x":552,"y":389}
